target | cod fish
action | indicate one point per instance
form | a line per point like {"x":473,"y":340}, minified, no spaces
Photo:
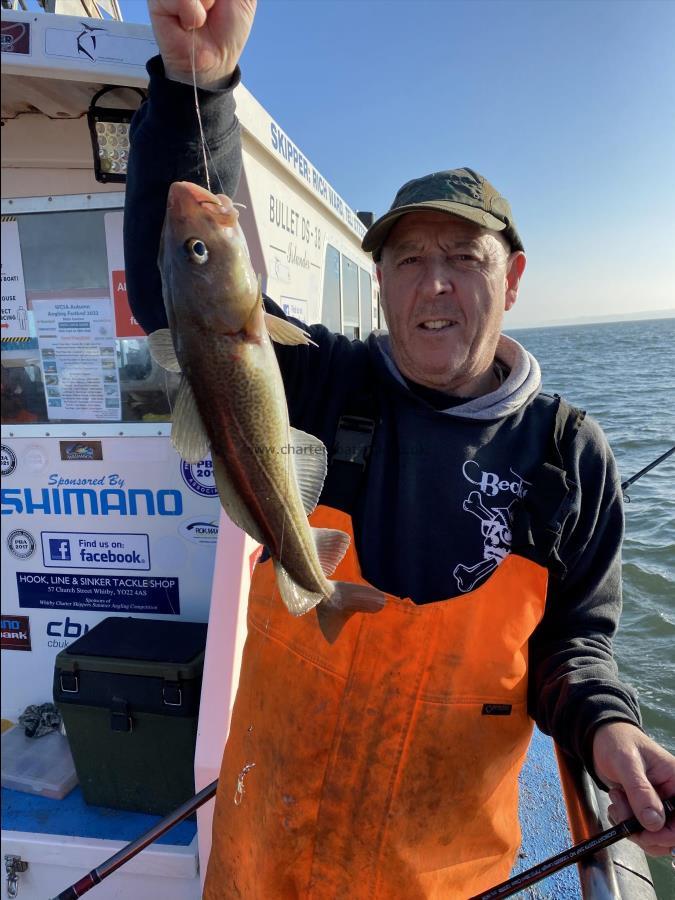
{"x":231,"y":400}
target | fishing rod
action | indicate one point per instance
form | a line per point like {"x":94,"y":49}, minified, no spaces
{"x":571,"y":855}
{"x":123,"y":856}
{"x":626,"y":484}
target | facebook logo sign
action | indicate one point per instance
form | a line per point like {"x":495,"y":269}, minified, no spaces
{"x":59,"y":549}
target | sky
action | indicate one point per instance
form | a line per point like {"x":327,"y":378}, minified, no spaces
{"x":568,"y":108}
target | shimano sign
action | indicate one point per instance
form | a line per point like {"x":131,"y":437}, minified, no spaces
{"x":57,"y":501}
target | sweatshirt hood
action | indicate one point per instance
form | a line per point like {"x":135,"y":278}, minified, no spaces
{"x":520,"y":385}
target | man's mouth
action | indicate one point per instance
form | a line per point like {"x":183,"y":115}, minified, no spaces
{"x":437,"y":324}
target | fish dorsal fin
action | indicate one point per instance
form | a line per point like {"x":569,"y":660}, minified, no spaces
{"x":162,"y":350}
{"x":187,"y":430}
{"x":311,"y":464}
{"x":232,"y":502}
{"x":298,"y":600}
{"x":331,"y":545}
{"x":284,"y":332}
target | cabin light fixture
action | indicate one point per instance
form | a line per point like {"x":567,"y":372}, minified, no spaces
{"x":109,"y":130}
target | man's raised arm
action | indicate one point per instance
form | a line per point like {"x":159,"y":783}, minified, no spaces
{"x":165,"y":140}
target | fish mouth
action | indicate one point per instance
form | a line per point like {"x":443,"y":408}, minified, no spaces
{"x":185,"y":198}
{"x":436,"y":326}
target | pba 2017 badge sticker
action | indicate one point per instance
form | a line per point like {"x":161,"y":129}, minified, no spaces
{"x":21,"y":543}
{"x":199,"y":477}
{"x":8,"y":457}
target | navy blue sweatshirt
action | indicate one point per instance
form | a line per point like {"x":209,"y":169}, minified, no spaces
{"x":445,"y":491}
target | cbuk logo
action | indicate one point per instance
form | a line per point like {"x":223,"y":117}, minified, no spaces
{"x":59,"y":549}
{"x":61,"y":633}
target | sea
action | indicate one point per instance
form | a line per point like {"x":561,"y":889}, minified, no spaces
{"x":623,"y":375}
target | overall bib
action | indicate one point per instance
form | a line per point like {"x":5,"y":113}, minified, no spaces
{"x":384,"y":765}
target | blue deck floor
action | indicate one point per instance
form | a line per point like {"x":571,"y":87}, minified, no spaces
{"x":543,"y":822}
{"x":71,"y":816}
{"x":542,"y":815}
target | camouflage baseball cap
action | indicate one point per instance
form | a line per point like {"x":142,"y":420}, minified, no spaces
{"x":458,"y":192}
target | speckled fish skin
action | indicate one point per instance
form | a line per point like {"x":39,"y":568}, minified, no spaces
{"x":217,"y":323}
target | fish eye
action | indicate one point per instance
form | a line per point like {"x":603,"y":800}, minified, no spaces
{"x":197,"y":251}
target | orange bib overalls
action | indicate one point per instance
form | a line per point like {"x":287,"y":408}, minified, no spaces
{"x":385,"y":764}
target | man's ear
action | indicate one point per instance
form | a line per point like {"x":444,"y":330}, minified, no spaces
{"x":515,"y":267}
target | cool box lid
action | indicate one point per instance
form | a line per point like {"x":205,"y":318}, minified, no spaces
{"x":138,"y":646}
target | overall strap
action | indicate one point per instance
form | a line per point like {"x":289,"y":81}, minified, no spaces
{"x":348,"y":460}
{"x":552,"y":494}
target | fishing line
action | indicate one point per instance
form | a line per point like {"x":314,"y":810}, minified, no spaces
{"x":247,"y":766}
{"x":197,"y":110}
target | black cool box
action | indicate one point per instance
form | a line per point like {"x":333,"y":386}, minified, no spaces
{"x":128,"y":691}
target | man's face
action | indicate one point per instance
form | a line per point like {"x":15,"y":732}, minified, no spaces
{"x":445,"y":284}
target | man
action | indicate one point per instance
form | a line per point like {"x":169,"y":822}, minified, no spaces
{"x":386,"y":759}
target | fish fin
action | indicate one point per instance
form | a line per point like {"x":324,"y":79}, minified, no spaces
{"x":346,"y":600}
{"x":311,"y":464}
{"x":187,"y":430}
{"x":331,"y":621}
{"x":298,"y":600}
{"x":162,"y":350}
{"x":232,"y":503}
{"x":348,"y":597}
{"x":284,"y":332}
{"x":331,"y":546}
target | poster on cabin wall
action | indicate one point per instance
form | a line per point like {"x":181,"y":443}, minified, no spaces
{"x":125,"y":323}
{"x":14,"y":320}
{"x":79,"y":361}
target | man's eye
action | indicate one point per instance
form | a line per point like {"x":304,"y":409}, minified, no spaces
{"x":408,"y":260}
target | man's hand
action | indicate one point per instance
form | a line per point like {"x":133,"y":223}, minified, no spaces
{"x":221,"y":29}
{"x":638,"y":772}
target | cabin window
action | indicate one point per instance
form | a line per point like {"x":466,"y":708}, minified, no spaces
{"x":350,"y":298}
{"x":366,"y":294}
{"x":81,"y":358}
{"x":64,"y":251}
{"x":331,"y":315}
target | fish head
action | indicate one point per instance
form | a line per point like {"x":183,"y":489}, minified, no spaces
{"x":207,"y":275}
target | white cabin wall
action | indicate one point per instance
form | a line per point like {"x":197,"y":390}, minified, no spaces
{"x":48,"y":157}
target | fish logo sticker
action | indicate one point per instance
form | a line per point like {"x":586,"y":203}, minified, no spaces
{"x":86,"y":40}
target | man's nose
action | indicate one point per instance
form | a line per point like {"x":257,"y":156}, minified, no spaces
{"x":438,"y":277}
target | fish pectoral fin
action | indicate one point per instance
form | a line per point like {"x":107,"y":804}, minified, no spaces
{"x":188,"y":434}
{"x":331,"y":545}
{"x":311,"y":464}
{"x":162,"y":350}
{"x":283,"y":332}
{"x":298,"y":600}
{"x":232,"y":503}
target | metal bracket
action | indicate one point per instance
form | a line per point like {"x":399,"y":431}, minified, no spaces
{"x":14,"y":866}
